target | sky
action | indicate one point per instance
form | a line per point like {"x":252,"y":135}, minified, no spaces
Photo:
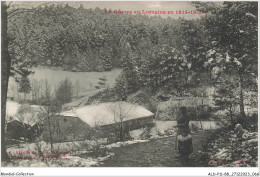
{"x":125,"y":5}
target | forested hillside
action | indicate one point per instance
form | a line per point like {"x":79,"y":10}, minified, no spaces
{"x":88,"y":39}
{"x":154,"y":52}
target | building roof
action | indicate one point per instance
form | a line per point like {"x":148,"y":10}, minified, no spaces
{"x":108,"y":113}
{"x":30,"y":118}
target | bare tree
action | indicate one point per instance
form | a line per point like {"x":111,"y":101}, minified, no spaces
{"x":50,"y":107}
{"x":96,"y":140}
{"x":27,"y":116}
{"x":13,"y":90}
{"x":120,"y":112}
{"x":36,"y":86}
{"x":198,"y":102}
{"x":17,"y":88}
{"x":77,"y":88}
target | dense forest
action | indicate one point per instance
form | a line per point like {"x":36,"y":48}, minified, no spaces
{"x":85,"y":39}
{"x":154,"y":52}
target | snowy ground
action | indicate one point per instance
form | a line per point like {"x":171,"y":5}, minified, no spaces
{"x":68,"y":154}
{"x":65,"y":155}
{"x":87,"y":80}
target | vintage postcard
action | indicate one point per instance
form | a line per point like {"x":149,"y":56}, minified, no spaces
{"x":129,"y":84}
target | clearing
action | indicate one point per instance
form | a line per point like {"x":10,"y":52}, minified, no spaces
{"x":90,"y":83}
{"x":87,"y":80}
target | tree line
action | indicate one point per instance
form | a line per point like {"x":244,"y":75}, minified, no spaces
{"x":81,"y":39}
{"x":153,"y":51}
{"x":217,"y":47}
{"x":219,"y":50}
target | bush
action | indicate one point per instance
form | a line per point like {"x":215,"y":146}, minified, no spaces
{"x":170,"y":111}
{"x":249,"y":122}
{"x":146,"y":134}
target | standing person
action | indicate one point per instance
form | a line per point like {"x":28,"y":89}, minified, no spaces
{"x":184,"y":137}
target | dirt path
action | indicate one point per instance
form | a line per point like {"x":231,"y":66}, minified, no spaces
{"x":155,"y":153}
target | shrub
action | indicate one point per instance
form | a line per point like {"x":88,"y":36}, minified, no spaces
{"x":170,"y":111}
{"x":146,"y":134}
{"x":249,"y":122}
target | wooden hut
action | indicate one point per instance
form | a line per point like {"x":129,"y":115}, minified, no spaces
{"x":18,"y":130}
{"x":107,"y":117}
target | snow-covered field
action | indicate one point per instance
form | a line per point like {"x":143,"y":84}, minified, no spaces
{"x":87,"y":80}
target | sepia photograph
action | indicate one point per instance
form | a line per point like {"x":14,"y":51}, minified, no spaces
{"x":129,"y":84}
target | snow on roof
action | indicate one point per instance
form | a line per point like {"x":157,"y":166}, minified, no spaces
{"x":12,"y":107}
{"x":30,"y":118}
{"x":108,"y":113}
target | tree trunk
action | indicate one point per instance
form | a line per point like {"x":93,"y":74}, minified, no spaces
{"x":5,"y":67}
{"x":18,"y":96}
{"x":241,"y":99}
{"x":50,"y":131}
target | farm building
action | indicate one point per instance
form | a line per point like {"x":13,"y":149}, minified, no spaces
{"x":98,"y":120}
{"x":65,"y":128}
{"x":18,"y":130}
{"x":106,"y":117}
{"x":22,"y":121}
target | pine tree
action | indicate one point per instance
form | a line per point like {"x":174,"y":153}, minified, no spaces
{"x":233,"y":39}
{"x":24,"y":86}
